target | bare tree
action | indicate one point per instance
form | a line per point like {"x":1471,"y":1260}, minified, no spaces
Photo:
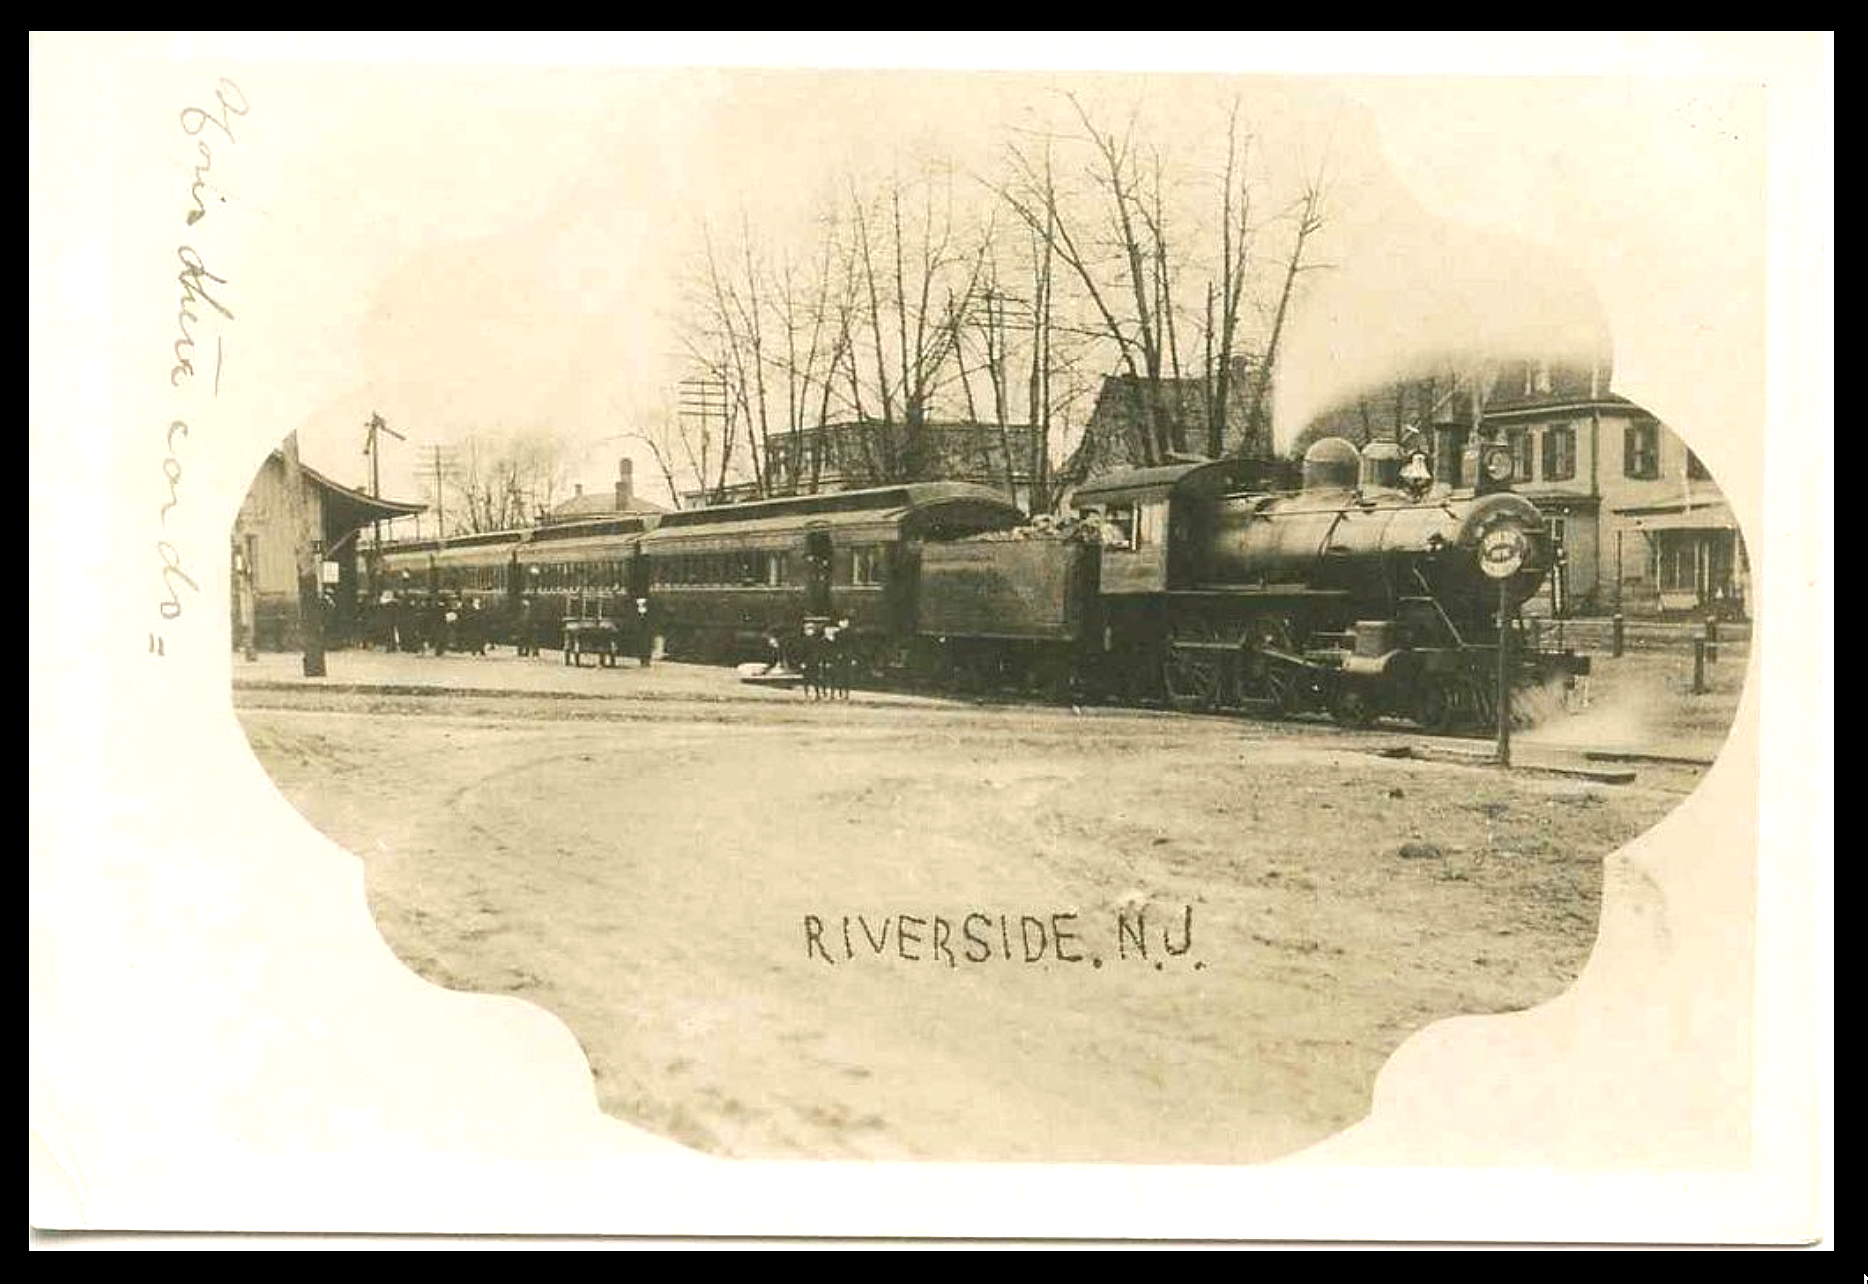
{"x":1235,"y":246}
{"x":1120,"y":238}
{"x":667,"y":446}
{"x":1309,"y":220}
{"x":1129,"y":320}
{"x":503,"y":480}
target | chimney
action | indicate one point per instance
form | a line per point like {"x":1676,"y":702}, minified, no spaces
{"x":625,"y":484}
{"x":577,"y":490}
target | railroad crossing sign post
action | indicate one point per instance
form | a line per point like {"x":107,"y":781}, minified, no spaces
{"x":1502,"y":551}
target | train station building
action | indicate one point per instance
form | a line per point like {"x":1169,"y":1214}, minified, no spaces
{"x":294,"y":517}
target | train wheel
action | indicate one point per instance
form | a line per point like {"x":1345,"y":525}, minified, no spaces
{"x":1280,"y":687}
{"x":1195,"y":671}
{"x":927,"y":663}
{"x":1352,"y":707}
{"x":1433,"y":705}
{"x":1484,"y":708}
{"x":1052,"y":679}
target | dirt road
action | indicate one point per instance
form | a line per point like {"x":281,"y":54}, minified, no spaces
{"x":785,"y":930}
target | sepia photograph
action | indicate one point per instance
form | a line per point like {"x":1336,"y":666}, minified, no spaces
{"x":1006,"y":641}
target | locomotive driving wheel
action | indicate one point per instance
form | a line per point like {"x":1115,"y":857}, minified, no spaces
{"x":1434,"y":705}
{"x":1264,"y":672}
{"x":1353,"y":707}
{"x":1195,"y":669}
{"x":1281,"y":687}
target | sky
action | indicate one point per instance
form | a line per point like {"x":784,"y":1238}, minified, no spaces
{"x":470,"y":251}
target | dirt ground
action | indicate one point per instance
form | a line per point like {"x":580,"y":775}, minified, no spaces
{"x":1233,"y":925}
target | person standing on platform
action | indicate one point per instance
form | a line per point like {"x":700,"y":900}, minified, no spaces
{"x":528,"y":626}
{"x":842,"y":660}
{"x":811,"y":660}
{"x":645,"y":632}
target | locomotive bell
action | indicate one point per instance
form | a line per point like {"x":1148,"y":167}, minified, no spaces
{"x":1331,"y":464}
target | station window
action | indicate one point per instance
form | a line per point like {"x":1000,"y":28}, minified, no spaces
{"x":774,"y":569}
{"x":1559,"y":452}
{"x":1641,"y":451}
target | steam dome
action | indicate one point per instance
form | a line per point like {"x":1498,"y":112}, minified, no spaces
{"x":1331,"y":464}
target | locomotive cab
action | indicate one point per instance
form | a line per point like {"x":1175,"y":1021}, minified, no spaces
{"x":1156,"y":521}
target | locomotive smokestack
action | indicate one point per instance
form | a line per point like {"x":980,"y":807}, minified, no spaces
{"x":625,"y":484}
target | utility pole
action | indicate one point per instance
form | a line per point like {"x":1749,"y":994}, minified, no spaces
{"x":441,"y":461}
{"x":372,"y":446}
{"x":703,"y":399}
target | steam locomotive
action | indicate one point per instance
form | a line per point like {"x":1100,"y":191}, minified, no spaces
{"x":1207,"y":585}
{"x":1360,"y":594}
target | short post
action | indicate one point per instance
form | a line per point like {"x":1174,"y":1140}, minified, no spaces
{"x":1615,"y":636}
{"x":1504,"y":676}
{"x":1535,"y":626}
{"x":1712,"y":640}
{"x":1502,"y":550}
{"x":1699,"y":666}
{"x":311,"y":621}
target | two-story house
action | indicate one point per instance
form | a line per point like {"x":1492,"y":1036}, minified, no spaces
{"x":1644,"y":528}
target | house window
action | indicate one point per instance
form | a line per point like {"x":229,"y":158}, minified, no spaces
{"x":1559,"y":452}
{"x":1641,"y":451}
{"x":1540,"y":378}
{"x":1695,"y":469}
{"x":1519,"y":440}
{"x":774,"y":569}
{"x":1677,"y":564}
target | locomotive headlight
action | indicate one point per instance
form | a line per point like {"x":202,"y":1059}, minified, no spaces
{"x":1498,"y":465}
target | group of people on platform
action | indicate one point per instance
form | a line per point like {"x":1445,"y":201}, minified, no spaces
{"x":437,"y":624}
{"x":446,"y":622}
{"x":821,"y":655}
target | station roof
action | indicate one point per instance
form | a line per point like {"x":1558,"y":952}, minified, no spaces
{"x":347,"y":507}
